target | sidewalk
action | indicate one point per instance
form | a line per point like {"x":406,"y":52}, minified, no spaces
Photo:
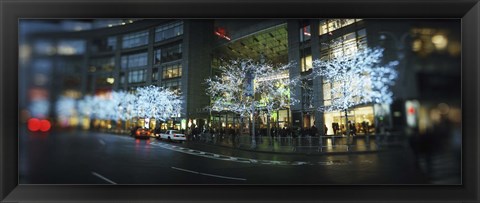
{"x":304,"y":145}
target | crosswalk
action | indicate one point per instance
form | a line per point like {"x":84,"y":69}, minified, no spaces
{"x":248,"y":160}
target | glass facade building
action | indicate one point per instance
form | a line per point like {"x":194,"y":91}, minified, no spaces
{"x":181,"y":54}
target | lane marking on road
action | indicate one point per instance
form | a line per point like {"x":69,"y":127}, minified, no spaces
{"x":103,"y":178}
{"x":208,"y":174}
{"x":251,"y":161}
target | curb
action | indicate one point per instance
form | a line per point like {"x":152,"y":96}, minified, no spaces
{"x":303,"y":153}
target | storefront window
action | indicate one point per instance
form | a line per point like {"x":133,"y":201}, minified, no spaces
{"x":362,"y":117}
{"x":283,"y":118}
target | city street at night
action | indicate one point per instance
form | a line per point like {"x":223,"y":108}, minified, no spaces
{"x":240,"y":101}
{"x":82,"y":157}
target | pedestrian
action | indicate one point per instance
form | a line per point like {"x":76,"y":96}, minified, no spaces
{"x":335,"y":128}
{"x":365,"y":127}
{"x":313,"y":131}
{"x":352,"y":128}
{"x":325,"y":129}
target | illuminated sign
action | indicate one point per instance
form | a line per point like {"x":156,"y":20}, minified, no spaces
{"x":183,"y":124}
{"x":221,"y":32}
{"x":411,"y":108}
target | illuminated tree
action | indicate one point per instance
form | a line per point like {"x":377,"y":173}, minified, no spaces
{"x":85,"y":106}
{"x":157,"y":102}
{"x":126,"y":105}
{"x":65,"y":107}
{"x":147,"y":102}
{"x":246,"y":86}
{"x":355,"y":79}
{"x":102,"y":107}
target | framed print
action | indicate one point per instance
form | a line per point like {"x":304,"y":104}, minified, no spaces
{"x":239,"y":101}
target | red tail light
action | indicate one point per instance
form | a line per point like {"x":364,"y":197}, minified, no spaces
{"x":138,"y":132}
{"x":45,"y":125}
{"x":34,"y":124}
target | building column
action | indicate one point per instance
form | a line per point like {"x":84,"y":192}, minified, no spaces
{"x":150,"y":55}
{"x":118,"y":64}
{"x":317,"y":83}
{"x":85,"y":69}
{"x":293,"y":27}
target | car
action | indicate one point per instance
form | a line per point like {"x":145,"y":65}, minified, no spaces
{"x":156,"y":133}
{"x":139,"y":132}
{"x":173,"y":135}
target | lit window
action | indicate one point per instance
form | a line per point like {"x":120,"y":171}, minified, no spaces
{"x":306,"y":60}
{"x":174,"y":85}
{"x":172,"y":71}
{"x":345,"y":45}
{"x":330,"y":25}
{"x":70,"y":47}
{"x":104,"y":80}
{"x":104,"y":64}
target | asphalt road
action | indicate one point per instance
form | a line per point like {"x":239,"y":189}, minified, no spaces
{"x":78,"y":157}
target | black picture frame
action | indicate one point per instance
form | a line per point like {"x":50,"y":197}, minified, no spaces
{"x":12,"y":10}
